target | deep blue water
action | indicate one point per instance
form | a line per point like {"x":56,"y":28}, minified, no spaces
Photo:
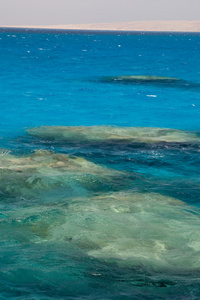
{"x":49,"y":79}
{"x":116,"y":229}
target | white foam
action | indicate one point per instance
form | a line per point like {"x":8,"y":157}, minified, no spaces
{"x":153,"y":96}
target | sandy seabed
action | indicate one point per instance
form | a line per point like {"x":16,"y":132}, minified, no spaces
{"x":168,"y":26}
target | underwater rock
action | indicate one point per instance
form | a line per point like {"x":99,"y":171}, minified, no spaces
{"x":136,"y":230}
{"x":140,"y":79}
{"x":111,"y":134}
{"x":45,"y":170}
{"x":146,"y":232}
{"x":169,"y":82}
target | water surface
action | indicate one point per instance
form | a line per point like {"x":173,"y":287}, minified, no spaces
{"x":99,"y":178}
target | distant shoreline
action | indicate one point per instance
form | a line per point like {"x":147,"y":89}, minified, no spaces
{"x":136,"y":26}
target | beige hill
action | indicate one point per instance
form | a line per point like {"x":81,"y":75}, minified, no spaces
{"x":172,"y":26}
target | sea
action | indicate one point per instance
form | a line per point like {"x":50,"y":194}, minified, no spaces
{"x":99,"y":165}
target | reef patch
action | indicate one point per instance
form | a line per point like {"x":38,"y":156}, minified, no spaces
{"x":113,"y":134}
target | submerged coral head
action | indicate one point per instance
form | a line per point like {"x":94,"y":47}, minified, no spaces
{"x":140,"y":79}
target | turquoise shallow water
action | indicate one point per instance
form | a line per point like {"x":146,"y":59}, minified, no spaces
{"x":99,"y":189}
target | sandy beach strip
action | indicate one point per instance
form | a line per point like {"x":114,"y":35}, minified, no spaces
{"x":156,"y":26}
